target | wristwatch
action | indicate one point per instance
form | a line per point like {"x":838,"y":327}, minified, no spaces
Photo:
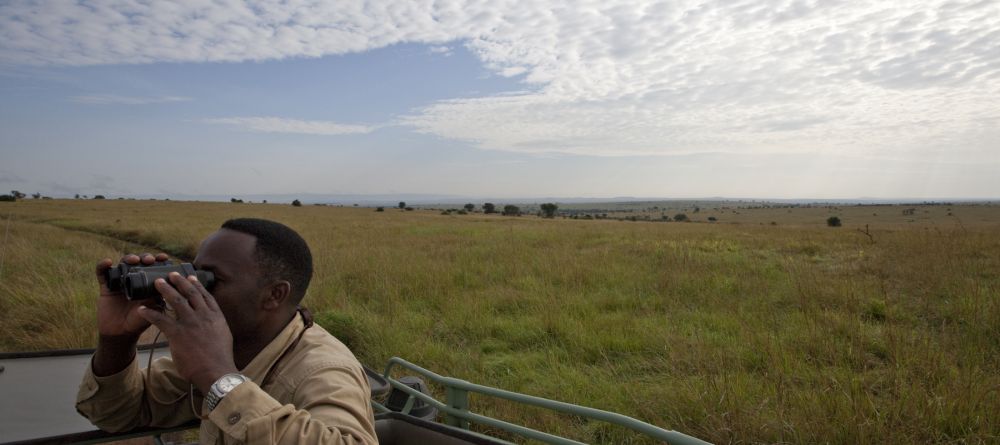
{"x":221,"y":387}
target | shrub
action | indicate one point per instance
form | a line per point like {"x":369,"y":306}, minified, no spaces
{"x":489,"y":207}
{"x":379,"y":209}
{"x":549,"y":210}
{"x":297,"y":203}
{"x":511,"y":210}
{"x":402,"y":205}
{"x":833,"y":221}
{"x":470,"y":207}
{"x":680,"y":217}
{"x":7,"y":198}
{"x":712,"y":219}
{"x":98,"y":197}
{"x":408,"y":209}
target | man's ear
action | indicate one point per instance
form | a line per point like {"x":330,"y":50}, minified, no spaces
{"x":276,"y":294}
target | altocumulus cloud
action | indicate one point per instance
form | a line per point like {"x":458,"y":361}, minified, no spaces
{"x":282,"y":125}
{"x":607,"y":77}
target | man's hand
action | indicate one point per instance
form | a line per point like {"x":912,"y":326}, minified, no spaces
{"x":201,"y":343}
{"x":118,"y":320}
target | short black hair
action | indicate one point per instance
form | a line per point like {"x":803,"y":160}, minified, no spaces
{"x":280,"y":252}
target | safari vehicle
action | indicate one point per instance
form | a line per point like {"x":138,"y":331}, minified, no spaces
{"x":38,"y":391}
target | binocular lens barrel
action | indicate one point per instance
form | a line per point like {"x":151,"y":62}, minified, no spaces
{"x":137,"y":281}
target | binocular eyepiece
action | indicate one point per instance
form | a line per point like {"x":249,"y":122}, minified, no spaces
{"x":136,"y":281}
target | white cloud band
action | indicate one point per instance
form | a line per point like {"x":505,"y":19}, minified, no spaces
{"x":293,"y":126}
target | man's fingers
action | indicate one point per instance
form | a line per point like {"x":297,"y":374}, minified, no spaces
{"x":209,"y":298}
{"x":162,"y":257}
{"x":131,"y":259}
{"x":102,"y":266}
{"x":171,"y":296}
{"x":188,"y":290}
{"x":162,"y":322}
{"x":148,"y":259}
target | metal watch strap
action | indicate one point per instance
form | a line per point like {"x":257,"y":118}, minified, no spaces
{"x":215,"y":393}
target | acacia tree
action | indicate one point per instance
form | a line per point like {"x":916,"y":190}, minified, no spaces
{"x":470,"y":207}
{"x":549,"y":210}
{"x":511,"y":210}
{"x":489,"y":208}
{"x":402,"y":204}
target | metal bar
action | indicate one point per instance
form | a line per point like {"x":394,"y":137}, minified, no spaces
{"x":457,"y":399}
{"x":669,"y":436}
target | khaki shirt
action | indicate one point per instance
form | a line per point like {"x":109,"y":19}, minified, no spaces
{"x":318,"y":394}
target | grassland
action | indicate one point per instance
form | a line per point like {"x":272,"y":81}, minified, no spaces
{"x":740,"y":331}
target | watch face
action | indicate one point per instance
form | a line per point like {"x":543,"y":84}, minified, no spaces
{"x":228,"y":382}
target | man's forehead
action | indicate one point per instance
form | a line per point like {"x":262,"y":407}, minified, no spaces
{"x":226,"y":246}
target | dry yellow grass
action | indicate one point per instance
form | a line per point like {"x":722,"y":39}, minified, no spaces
{"x":740,"y":333}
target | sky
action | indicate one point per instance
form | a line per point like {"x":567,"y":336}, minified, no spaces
{"x":785,"y":99}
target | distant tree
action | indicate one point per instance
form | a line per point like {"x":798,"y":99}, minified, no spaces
{"x":76,"y":196}
{"x":402,"y":204}
{"x":470,"y":207}
{"x":36,"y":195}
{"x":665,"y":217}
{"x":7,"y":198}
{"x":98,"y":196}
{"x":233,"y":200}
{"x":712,"y":219}
{"x":680,"y":217}
{"x":408,"y":209}
{"x":17,"y":195}
{"x":379,"y":209}
{"x":462,"y":212}
{"x":511,"y":210}
{"x":833,"y":221}
{"x":296,"y":203}
{"x":264,"y":201}
{"x":549,"y":210}
{"x":489,"y":208}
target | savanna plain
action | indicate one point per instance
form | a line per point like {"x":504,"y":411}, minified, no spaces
{"x":765,"y":326}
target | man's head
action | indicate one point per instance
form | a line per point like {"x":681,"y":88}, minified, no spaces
{"x":262,"y":270}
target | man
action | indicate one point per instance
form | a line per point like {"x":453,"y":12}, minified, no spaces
{"x":243,"y":357}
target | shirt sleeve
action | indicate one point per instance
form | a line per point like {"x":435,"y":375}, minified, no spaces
{"x":331,"y":406}
{"x":134,"y":398}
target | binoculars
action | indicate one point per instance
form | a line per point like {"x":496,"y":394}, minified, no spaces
{"x":136,"y":281}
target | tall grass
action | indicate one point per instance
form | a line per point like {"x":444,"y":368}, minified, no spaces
{"x":733,"y":333}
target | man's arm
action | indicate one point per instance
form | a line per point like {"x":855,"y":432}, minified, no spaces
{"x":133,"y":398}
{"x":330,"y":406}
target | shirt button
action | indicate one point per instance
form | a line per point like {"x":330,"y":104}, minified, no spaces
{"x":234,"y":418}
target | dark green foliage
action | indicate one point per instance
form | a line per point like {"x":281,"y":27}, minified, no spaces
{"x":833,"y":221}
{"x":470,"y":207}
{"x":680,"y":217}
{"x":549,"y":210}
{"x":511,"y":210}
{"x":232,"y":200}
{"x":489,"y":207}
{"x":409,"y":209}
{"x":98,"y":197}
{"x":712,"y":219}
{"x":297,"y":203}
{"x":379,"y":209}
{"x":402,"y":204}
{"x":7,"y":198}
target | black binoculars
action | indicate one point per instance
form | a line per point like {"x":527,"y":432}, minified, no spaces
{"x":136,"y":281}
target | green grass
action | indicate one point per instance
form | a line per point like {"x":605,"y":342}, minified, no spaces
{"x":742,"y":332}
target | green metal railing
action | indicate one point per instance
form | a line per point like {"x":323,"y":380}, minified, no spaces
{"x":457,"y":414}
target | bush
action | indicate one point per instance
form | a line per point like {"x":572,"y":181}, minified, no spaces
{"x":98,"y":197}
{"x":402,"y":205}
{"x":549,"y":210}
{"x":680,"y":217}
{"x":7,"y":198}
{"x":833,"y":221}
{"x":712,"y":219}
{"x":409,"y":209}
{"x":297,"y":203}
{"x":470,"y":207}
{"x":489,"y":207}
{"x":511,"y":210}
{"x":379,"y":209}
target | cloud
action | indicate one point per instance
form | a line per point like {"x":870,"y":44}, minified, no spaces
{"x":111,"y":99}
{"x":282,"y":125}
{"x":608,"y":77}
